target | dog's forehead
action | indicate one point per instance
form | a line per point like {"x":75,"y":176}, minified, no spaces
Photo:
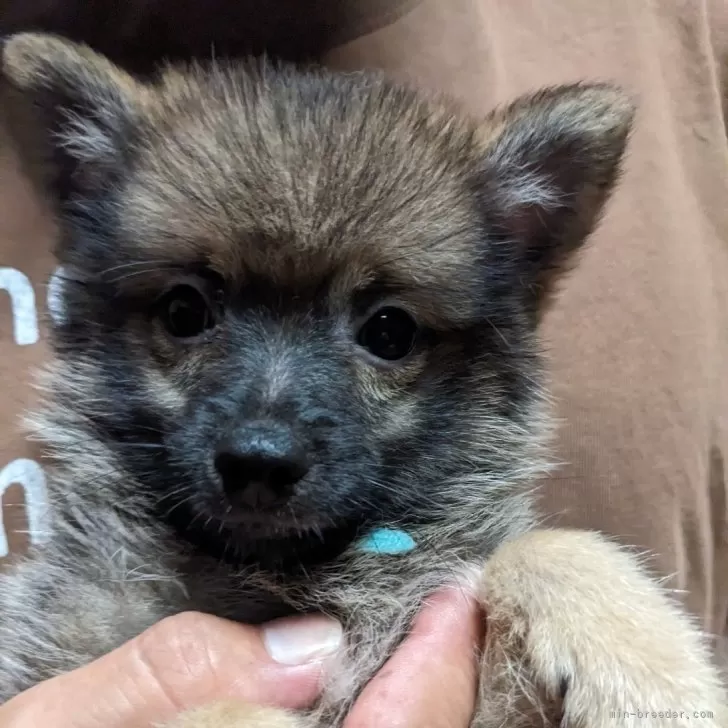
{"x":297,"y":202}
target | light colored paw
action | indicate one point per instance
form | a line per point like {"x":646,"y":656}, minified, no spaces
{"x":236,"y":715}
{"x":571,"y":613}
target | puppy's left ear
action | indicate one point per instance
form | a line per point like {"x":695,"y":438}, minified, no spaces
{"x":86,"y":106}
{"x":548,"y":167}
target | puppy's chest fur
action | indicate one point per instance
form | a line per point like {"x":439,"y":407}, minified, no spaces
{"x":376,"y":598}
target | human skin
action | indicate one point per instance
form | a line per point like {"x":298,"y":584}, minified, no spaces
{"x":193,"y":659}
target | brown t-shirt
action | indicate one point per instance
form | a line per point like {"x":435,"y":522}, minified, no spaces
{"x":639,"y":340}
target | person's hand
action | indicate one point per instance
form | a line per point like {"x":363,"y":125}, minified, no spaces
{"x":193,"y":659}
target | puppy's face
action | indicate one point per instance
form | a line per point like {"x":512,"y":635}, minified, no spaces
{"x":300,"y":302}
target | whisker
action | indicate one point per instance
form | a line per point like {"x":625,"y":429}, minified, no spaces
{"x":135,"y":274}
{"x":136,"y":264}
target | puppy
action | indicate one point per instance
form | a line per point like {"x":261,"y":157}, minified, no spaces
{"x":297,"y":369}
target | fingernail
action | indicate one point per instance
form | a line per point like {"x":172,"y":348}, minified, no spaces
{"x":297,"y":640}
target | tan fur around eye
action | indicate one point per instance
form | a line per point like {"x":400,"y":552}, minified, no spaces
{"x":382,"y":384}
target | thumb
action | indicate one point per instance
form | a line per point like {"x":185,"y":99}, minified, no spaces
{"x":431,"y":680}
{"x":180,"y":663}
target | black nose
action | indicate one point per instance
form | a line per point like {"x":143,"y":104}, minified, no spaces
{"x":260,"y":464}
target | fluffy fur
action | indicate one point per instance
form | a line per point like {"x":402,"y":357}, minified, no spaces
{"x":301,"y":201}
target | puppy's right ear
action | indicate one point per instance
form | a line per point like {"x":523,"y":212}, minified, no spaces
{"x":87,"y":107}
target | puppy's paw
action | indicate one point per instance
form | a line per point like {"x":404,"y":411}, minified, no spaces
{"x":237,"y":715}
{"x":579,"y":635}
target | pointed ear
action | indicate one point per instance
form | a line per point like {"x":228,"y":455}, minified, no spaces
{"x":549,"y":165}
{"x":86,"y":106}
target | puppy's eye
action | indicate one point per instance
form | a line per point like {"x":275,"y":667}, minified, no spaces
{"x":185,"y":312}
{"x":390,"y":334}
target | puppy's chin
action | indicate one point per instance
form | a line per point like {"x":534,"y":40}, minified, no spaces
{"x":277,"y":524}
{"x":249,"y":525}
{"x":284,"y":539}
{"x":280,"y":543}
